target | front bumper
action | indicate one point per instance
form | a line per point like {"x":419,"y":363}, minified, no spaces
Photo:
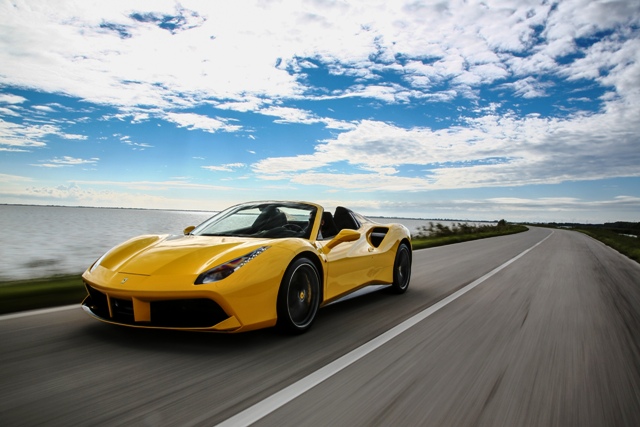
{"x":178,"y":313}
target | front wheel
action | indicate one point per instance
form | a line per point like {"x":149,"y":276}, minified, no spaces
{"x":298,"y":297}
{"x":401,"y":269}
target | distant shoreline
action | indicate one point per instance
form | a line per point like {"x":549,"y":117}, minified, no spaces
{"x":213,"y":211}
{"x":105,"y":207}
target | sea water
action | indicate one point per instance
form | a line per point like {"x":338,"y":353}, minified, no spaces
{"x":44,"y":241}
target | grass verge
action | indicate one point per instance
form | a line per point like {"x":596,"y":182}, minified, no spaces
{"x":63,"y":290}
{"x":626,"y":245}
{"x":480,"y":233}
{"x":41,"y":293}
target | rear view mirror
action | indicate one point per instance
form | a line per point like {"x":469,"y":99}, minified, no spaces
{"x":189,"y":229}
{"x":343,"y":236}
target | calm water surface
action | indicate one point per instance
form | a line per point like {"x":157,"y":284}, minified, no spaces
{"x":42,"y":241}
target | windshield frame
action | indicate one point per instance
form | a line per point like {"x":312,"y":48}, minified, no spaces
{"x":263,"y":219}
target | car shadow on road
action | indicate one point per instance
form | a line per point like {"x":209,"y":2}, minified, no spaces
{"x":362,"y":316}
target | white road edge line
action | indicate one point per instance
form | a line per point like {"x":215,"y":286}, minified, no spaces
{"x":284,"y":396}
{"x":37,"y":312}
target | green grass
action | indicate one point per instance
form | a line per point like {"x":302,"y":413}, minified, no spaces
{"x":63,"y":290}
{"x":441,"y":236}
{"x":629,"y":246}
{"x":41,"y":293}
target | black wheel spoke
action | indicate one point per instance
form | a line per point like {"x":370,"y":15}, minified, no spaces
{"x":402,"y":269}
{"x":298,"y":304}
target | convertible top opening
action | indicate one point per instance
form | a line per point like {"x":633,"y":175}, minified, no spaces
{"x":261,"y":220}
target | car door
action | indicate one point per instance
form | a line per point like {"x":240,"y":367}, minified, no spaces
{"x":382,"y":253}
{"x":349,"y":265}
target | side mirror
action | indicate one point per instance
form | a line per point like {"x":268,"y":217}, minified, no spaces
{"x":189,"y":229}
{"x":345,"y":235}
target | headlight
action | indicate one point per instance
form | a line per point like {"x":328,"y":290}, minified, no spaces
{"x":228,"y":268}
{"x":99,"y":261}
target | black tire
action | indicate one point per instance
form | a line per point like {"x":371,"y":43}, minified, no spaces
{"x":401,"y":269}
{"x":298,"y":297}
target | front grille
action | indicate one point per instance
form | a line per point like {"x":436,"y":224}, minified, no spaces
{"x":97,"y":302}
{"x":177,"y":313}
{"x":186,"y":313}
{"x":122,"y":310}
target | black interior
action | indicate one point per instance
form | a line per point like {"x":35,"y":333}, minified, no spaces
{"x":341,"y":219}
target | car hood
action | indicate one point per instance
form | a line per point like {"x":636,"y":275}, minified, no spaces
{"x":174,"y":255}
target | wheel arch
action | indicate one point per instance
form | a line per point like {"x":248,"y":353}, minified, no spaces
{"x":399,"y":284}
{"x":317,"y":262}
{"x":407,"y":242}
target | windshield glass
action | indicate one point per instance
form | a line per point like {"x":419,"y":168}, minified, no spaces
{"x":263,"y":220}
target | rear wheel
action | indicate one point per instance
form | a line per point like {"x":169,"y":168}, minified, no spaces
{"x":401,"y":269}
{"x":298,"y":297}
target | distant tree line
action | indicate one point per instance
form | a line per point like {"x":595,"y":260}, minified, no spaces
{"x":440,"y":230}
{"x":620,"y":227}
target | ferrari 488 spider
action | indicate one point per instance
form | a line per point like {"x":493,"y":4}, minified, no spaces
{"x":251,"y":266}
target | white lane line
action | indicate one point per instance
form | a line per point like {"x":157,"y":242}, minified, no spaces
{"x":37,"y":312}
{"x":284,"y":396}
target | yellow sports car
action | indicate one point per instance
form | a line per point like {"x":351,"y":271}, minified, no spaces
{"x":254,"y":265}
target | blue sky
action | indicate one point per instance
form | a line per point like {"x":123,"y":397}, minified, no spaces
{"x":522,"y":110}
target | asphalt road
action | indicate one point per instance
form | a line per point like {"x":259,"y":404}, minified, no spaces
{"x":551,"y":339}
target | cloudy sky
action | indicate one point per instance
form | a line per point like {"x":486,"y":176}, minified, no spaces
{"x":515,"y":109}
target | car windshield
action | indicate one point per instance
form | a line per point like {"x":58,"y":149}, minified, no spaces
{"x":262,"y":220}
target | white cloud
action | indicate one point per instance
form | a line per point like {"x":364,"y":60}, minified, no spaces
{"x":73,"y":136}
{"x":138,"y":145}
{"x":276,"y":166}
{"x":513,"y":209}
{"x":290,"y":115}
{"x":113,"y":194}
{"x":11,"y":99}
{"x":123,"y":53}
{"x":175,"y":184}
{"x":197,"y":121}
{"x":8,"y":112}
{"x":14,"y":150}
{"x":229,"y":167}
{"x":126,"y":139}
{"x":296,"y":115}
{"x":7,"y":178}
{"x":528,"y":87}
{"x":491,"y":151}
{"x":65,"y":161}
{"x":160,"y":60}
{"x":27,"y":135}
{"x":43,"y":108}
{"x":251,"y":104}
